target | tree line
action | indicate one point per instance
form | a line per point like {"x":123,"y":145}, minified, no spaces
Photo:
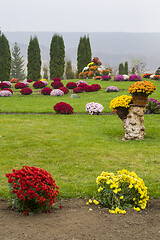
{"x":12,"y":63}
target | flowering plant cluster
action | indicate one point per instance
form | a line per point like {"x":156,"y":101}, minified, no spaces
{"x":156,"y":77}
{"x":4,"y":85}
{"x":105,"y":72}
{"x":46,"y":91}
{"x":143,"y":88}
{"x":121,"y":101}
{"x":63,"y":108}
{"x":71,"y":85}
{"x":64,"y":89}
{"x":7,"y":89}
{"x":82,"y":85}
{"x":94,"y":108}
{"x":112,"y":89}
{"x":5,"y":93}
{"x":98,"y":73}
{"x":152,"y":106}
{"x":96,"y":87}
{"x":26,"y":91}
{"x":56,"y":79}
{"x":118,"y":192}
{"x":89,"y":88}
{"x":27,"y":84}
{"x":134,"y":77}
{"x":56,"y":92}
{"x":90,"y":74}
{"x":97,"y":77}
{"x":81,"y":81}
{"x":29,"y":80}
{"x":14,"y":80}
{"x":38,"y":85}
{"x":78,"y":90}
{"x":126,"y":77}
{"x":8,"y":82}
{"x":32,"y":189}
{"x":93,"y":68}
{"x":20,"y":85}
{"x":45,"y":82}
{"x":106,"y":78}
{"x":57,"y":84}
{"x":96,"y":61}
{"x":147,"y":75}
{"x":119,"y":78}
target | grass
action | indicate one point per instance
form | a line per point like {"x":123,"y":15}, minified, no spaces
{"x":75,"y":149}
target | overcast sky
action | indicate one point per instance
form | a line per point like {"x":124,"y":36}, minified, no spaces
{"x":80,"y":15}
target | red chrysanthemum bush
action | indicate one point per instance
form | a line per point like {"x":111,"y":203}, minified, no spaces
{"x":57,"y":84}
{"x":56,"y":79}
{"x":96,"y":87}
{"x":29,"y":80}
{"x":63,"y":108}
{"x":64,"y":89}
{"x":78,"y":90}
{"x":26,"y":91}
{"x":46,"y":91}
{"x":7,"y":89}
{"x":20,"y":85}
{"x":71,"y":85}
{"x":4,"y":85}
{"x":32,"y":189}
{"x":38,"y":85}
{"x":89,"y":89}
{"x":82,"y":85}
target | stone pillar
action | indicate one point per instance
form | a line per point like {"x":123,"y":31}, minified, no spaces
{"x":133,"y":124}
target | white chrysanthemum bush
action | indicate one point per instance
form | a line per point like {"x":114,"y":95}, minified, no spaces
{"x":94,"y":108}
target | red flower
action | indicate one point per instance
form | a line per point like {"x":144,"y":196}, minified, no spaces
{"x":20,"y":85}
{"x":8,"y":89}
{"x":82,"y":85}
{"x":26,"y":91}
{"x":64,"y":89}
{"x":96,"y":87}
{"x":57,"y":79}
{"x":29,"y":80}
{"x":89,"y":89}
{"x":63,"y":108}
{"x":38,"y":85}
{"x":78,"y":90}
{"x":46,"y":91}
{"x":57,"y":84}
{"x":4,"y":85}
{"x":71,"y":85}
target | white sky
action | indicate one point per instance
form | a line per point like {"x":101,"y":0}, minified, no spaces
{"x":80,"y":15}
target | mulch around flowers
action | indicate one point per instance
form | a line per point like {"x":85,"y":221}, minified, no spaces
{"x":74,"y":221}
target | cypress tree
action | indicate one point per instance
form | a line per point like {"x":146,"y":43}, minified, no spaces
{"x":69,"y":72}
{"x":84,"y":53}
{"x":121,"y":69}
{"x":57,"y":54}
{"x":34,"y":60}
{"x":17,"y":63}
{"x":5,"y":58}
{"x":126,"y":68}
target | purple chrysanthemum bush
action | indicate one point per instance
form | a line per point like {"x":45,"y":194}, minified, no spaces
{"x":135,"y":77}
{"x":119,"y":78}
{"x":112,"y":89}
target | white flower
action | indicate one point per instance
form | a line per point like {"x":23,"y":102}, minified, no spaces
{"x":126,"y":77}
{"x":45,"y":83}
{"x":56,"y":92}
{"x":26,"y":83}
{"x":152,"y":76}
{"x":94,"y":108}
{"x":8,"y":82}
{"x":5,"y":93}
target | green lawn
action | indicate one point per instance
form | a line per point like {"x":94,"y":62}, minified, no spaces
{"x":75,"y":149}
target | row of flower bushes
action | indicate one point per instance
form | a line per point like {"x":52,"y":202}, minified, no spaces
{"x":34,"y":190}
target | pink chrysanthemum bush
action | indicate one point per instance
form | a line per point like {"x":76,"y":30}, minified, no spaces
{"x":63,"y":108}
{"x":7,"y":89}
{"x":32,"y":189}
{"x":56,"y":92}
{"x":38,"y":85}
{"x":5,"y":93}
{"x":26,"y":91}
{"x":46,"y":91}
{"x":121,"y":191}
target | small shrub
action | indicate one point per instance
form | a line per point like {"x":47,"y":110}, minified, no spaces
{"x":27,"y":84}
{"x":81,"y":81}
{"x":38,"y":85}
{"x":57,"y":79}
{"x":14,"y":80}
{"x":26,"y":91}
{"x":20,"y":85}
{"x":119,"y":78}
{"x":147,"y":75}
{"x":46,"y":91}
{"x":5,"y":93}
{"x":64,"y":89}
{"x":152,"y":106}
{"x":4,"y":85}
{"x":112,"y":89}
{"x":126,"y":77}
{"x":8,"y":82}
{"x":78,"y":90}
{"x":32,"y":189}
{"x":56,"y":92}
{"x":135,"y":77}
{"x":156,"y":77}
{"x":7,"y":89}
{"x":89,"y":89}
{"x":96,"y":87}
{"x":82,"y":85}
{"x":105,"y":72}
{"x":63,"y":108}
{"x":71,"y":85}
{"x":106,"y":78}
{"x":29,"y":80}
{"x":57,"y":84}
{"x":97,"y":77}
{"x":94,"y":108}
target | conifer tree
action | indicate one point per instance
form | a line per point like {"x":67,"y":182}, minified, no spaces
{"x":84,"y":53}
{"x":57,"y":54}
{"x":34,"y":60}
{"x":121,"y":69}
{"x":69,"y":72}
{"x":126,"y":68}
{"x":17,"y":63}
{"x":5,"y":58}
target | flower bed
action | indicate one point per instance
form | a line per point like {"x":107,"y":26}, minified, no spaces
{"x":71,"y":85}
{"x":7,"y":89}
{"x":14,"y":80}
{"x":63,"y":108}
{"x":96,"y":87}
{"x":57,"y":84}
{"x":106,"y":78}
{"x":26,"y":91}
{"x":64,"y":89}
{"x":4,"y":85}
{"x":8,"y":82}
{"x":147,"y":75}
{"x":94,"y":108}
{"x":32,"y":189}
{"x":156,"y":77}
{"x":38,"y":85}
{"x":119,"y":78}
{"x":88,"y":88}
{"x":46,"y":91}
{"x":56,"y":93}
{"x":112,"y":89}
{"x":135,"y":77}
{"x":29,"y":80}
{"x":78,"y":90}
{"x":20,"y":85}
{"x":5,"y":93}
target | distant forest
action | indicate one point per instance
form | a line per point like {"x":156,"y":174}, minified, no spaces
{"x":111,"y":48}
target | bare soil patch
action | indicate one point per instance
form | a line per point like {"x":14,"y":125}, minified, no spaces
{"x":75,"y":222}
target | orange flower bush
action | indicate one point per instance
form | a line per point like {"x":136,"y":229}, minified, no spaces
{"x":97,"y":78}
{"x":90,"y":74}
{"x":105,"y":72}
{"x":14,"y":80}
{"x":156,"y":77}
{"x":143,"y":88}
{"x":93,"y":68}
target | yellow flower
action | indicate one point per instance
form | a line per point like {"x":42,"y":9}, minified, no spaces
{"x":121,"y":197}
{"x":130,"y":186}
{"x":95,"y":202}
{"x":90,"y":201}
{"x":137,"y":209}
{"x":87,"y":203}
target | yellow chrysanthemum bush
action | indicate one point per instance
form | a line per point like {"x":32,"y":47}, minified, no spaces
{"x":121,"y":101}
{"x":143,"y":88}
{"x":118,"y":192}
